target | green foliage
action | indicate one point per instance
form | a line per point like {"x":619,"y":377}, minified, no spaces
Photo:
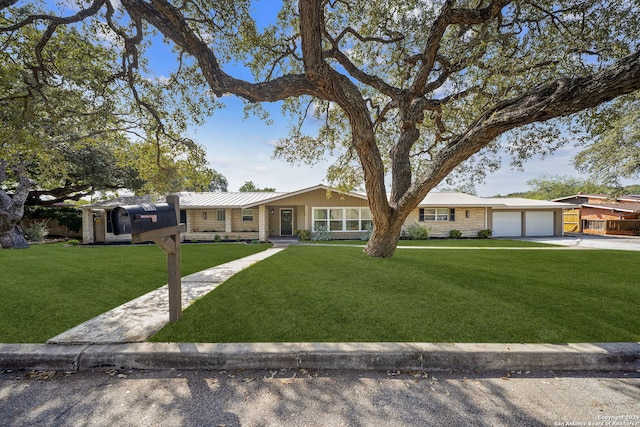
{"x":484,"y":234}
{"x":303,"y":235}
{"x":321,"y":234}
{"x":69,"y":217}
{"x":73,"y":242}
{"x":455,"y":234}
{"x":367,"y":236}
{"x":250,"y":187}
{"x":615,"y":154}
{"x":217,"y":238}
{"x":37,"y":231}
{"x":415,"y":231}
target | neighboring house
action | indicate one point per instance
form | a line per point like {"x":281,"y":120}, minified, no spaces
{"x":261,"y":215}
{"x":602,"y":214}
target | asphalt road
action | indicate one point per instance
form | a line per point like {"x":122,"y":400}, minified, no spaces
{"x":318,"y":398}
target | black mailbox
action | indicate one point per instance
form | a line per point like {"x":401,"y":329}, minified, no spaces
{"x":140,"y":218}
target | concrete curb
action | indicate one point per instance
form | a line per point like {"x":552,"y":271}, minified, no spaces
{"x":357,"y":356}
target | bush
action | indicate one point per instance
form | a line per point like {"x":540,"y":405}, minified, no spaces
{"x":37,"y":231}
{"x":73,"y":242}
{"x":367,"y":236}
{"x":69,"y":217}
{"x":484,"y":234}
{"x":455,"y":234}
{"x":321,"y":234}
{"x":217,"y":238}
{"x":303,"y":234}
{"x":415,"y":231}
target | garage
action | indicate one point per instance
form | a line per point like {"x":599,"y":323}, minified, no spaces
{"x":507,"y":224}
{"x":539,"y":223}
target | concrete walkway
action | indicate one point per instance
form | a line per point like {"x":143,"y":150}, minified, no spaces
{"x":137,"y":320}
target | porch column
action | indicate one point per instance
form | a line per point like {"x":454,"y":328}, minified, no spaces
{"x":263,"y":226}
{"x":227,"y":221}
{"x":87,"y":226}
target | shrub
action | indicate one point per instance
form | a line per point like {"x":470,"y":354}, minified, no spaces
{"x":484,"y":234}
{"x":69,"y":217}
{"x":367,"y":236}
{"x":37,"y":231}
{"x":73,"y":242}
{"x":217,"y":238}
{"x":415,"y":231}
{"x":303,"y":234}
{"x":321,"y":234}
{"x":455,"y":234}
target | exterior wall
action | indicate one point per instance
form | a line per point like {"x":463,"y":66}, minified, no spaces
{"x":468,"y":226}
{"x":302,"y":205}
{"x":196,"y":223}
{"x":237,"y":224}
{"x":602,"y":214}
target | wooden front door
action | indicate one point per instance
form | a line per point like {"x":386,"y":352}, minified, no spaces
{"x":286,"y":222}
{"x":99,"y":226}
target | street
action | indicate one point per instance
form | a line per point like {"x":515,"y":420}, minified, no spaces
{"x":328,"y":398}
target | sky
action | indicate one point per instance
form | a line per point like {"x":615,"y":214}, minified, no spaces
{"x":242,"y":149}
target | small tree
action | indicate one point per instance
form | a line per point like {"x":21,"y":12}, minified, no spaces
{"x":249,"y":187}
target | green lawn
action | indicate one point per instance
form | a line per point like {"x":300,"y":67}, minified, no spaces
{"x":48,"y":289}
{"x":464,"y":243}
{"x":315,"y":293}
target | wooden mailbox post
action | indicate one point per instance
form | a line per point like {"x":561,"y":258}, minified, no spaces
{"x":168,"y":239}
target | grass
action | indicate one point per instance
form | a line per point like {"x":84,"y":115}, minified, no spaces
{"x":48,"y":289}
{"x":465,"y":243}
{"x":309,"y":293}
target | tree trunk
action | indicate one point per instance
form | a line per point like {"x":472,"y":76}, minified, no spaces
{"x":13,"y":238}
{"x":12,"y":208}
{"x":384,"y":238}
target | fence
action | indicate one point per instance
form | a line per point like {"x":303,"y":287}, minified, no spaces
{"x":625,"y":227}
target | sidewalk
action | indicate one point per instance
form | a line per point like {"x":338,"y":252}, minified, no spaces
{"x":137,"y":320}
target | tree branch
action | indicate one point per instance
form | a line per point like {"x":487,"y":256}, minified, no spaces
{"x":552,"y":100}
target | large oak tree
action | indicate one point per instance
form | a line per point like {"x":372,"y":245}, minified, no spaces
{"x":411,"y":90}
{"x":72,"y":123}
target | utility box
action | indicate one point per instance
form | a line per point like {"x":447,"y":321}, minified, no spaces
{"x":136,"y":219}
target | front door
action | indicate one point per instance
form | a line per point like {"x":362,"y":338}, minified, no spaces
{"x":99,"y":226}
{"x":286,"y":222}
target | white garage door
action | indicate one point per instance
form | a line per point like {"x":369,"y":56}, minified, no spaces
{"x":539,"y":223}
{"x":507,"y":224}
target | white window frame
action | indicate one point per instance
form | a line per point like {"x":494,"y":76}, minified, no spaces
{"x":439,"y":214}
{"x":336,"y":216}
{"x":247,"y":215}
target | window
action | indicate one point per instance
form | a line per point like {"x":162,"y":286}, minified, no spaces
{"x":342,"y":219}
{"x":439,"y":214}
{"x":247,"y":215}
{"x":221,"y":215}
{"x":335,"y":219}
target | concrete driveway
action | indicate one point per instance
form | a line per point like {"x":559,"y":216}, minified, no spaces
{"x":625,"y":243}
